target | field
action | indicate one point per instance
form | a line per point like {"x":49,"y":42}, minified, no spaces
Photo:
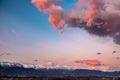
{"x":58,"y":78}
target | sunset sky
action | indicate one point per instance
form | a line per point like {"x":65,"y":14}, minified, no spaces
{"x":27,"y":36}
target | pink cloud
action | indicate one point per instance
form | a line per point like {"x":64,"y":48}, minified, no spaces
{"x":95,"y":64}
{"x":55,"y":11}
{"x":89,"y":62}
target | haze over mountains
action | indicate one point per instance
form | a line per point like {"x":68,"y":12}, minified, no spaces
{"x":17,"y":69}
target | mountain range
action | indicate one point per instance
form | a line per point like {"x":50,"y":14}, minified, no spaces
{"x":17,"y":69}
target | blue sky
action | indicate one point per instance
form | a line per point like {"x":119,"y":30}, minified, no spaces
{"x":23,"y":17}
{"x":27,"y":34}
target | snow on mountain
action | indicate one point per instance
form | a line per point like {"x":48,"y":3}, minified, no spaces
{"x":9,"y":64}
{"x":15,"y":69}
{"x":34,"y":66}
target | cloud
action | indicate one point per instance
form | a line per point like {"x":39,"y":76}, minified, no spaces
{"x":50,"y":63}
{"x":97,"y":17}
{"x":114,"y":52}
{"x":63,"y":30}
{"x":89,"y":62}
{"x":97,"y":65}
{"x":53,"y":9}
{"x":108,"y":67}
{"x":98,"y":53}
{"x":118,"y":58}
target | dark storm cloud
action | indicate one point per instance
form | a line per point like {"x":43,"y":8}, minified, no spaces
{"x":97,"y":17}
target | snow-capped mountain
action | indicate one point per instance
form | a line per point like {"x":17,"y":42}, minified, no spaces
{"x":16,"y":69}
{"x":34,"y":66}
{"x":10,"y":64}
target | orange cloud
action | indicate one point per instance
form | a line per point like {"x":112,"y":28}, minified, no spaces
{"x":50,"y":63}
{"x":95,"y":64}
{"x":89,"y":62}
{"x":94,"y":16}
{"x":53,"y":9}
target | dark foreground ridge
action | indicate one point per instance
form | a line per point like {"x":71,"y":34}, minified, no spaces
{"x":58,"y":78}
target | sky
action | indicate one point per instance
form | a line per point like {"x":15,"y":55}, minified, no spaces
{"x":27,"y":36}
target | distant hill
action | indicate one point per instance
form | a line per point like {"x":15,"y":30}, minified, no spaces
{"x":16,"y":69}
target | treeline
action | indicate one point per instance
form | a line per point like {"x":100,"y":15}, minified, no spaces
{"x":57,"y":78}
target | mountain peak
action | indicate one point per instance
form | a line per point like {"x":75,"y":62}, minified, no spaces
{"x":10,"y":64}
